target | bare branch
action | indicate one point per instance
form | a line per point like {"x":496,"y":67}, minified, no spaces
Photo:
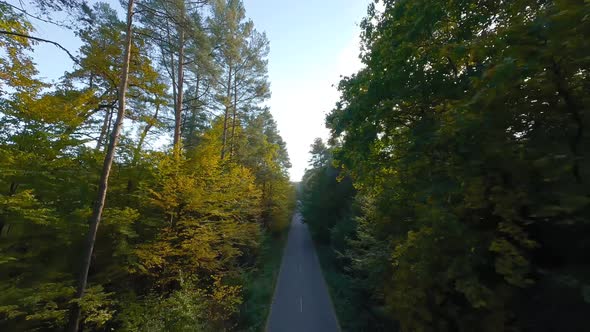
{"x":41,"y":40}
{"x":34,"y":16}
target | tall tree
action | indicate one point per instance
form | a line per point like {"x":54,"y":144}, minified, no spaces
{"x":180,"y":26}
{"x":260,"y":148}
{"x":174,"y":27}
{"x":202,"y":75}
{"x":102,"y":34}
{"x":97,"y":212}
{"x":251,"y":81}
{"x":241,"y":53}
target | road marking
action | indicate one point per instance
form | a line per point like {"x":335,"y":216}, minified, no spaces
{"x":301,"y":303}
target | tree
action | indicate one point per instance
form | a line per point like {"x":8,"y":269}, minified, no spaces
{"x":15,"y":47}
{"x":327,"y":193}
{"x":100,"y":67}
{"x":180,"y":233}
{"x":97,"y":212}
{"x":202,"y":74}
{"x":184,"y":17}
{"x":261,"y":149}
{"x":240,"y":51}
{"x":452,"y":133}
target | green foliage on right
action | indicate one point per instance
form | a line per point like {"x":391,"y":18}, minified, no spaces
{"x":466,"y":137}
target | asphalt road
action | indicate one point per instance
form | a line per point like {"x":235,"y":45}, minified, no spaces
{"x":301,"y":301}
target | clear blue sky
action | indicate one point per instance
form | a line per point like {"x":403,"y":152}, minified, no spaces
{"x":312,"y":43}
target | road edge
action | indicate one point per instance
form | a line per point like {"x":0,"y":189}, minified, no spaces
{"x":278,"y":278}
{"x":317,"y":258}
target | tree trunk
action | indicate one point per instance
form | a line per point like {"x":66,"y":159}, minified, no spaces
{"x":106,"y":126}
{"x":179,"y":94}
{"x":75,"y":311}
{"x":172,"y":72}
{"x":144,"y":133}
{"x":227,"y":110}
{"x":233,"y":121}
{"x":194,"y":109}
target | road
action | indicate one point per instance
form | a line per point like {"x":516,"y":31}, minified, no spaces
{"x":301,"y":301}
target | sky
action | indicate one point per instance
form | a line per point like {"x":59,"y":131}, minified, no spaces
{"x":312,"y":43}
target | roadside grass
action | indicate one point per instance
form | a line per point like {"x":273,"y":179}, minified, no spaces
{"x":260,"y":283}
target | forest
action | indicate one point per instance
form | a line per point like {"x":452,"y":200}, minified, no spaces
{"x":453,"y":193}
{"x":147,"y":188}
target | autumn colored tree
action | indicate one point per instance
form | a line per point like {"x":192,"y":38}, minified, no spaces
{"x":178,"y":232}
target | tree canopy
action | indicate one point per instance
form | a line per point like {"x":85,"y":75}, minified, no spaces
{"x":464,"y":136}
{"x":182,"y":227}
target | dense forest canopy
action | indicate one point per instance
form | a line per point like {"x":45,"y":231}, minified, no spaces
{"x":454,"y":192}
{"x":137,"y":191}
{"x":147,"y":188}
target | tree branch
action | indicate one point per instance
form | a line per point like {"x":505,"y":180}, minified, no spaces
{"x":41,"y":40}
{"x":35,"y":17}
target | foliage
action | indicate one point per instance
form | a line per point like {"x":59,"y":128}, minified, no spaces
{"x":326,"y":197}
{"x":464,"y":136}
{"x":259,"y":283}
{"x":180,"y":230}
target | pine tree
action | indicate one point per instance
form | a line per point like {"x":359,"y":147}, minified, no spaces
{"x":240,"y":51}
